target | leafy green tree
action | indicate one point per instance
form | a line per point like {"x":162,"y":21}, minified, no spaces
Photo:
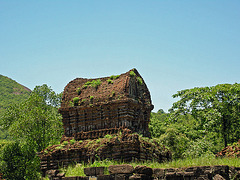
{"x":35,"y":121}
{"x":35,"y":124}
{"x":19,"y":162}
{"x":217,"y":109}
{"x":176,"y":141}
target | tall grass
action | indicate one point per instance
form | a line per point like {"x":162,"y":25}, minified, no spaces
{"x":207,"y":160}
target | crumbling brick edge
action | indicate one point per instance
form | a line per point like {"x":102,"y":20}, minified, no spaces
{"x":128,"y":172}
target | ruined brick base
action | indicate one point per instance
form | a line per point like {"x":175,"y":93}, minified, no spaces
{"x":120,"y":147}
{"x":127,"y":172}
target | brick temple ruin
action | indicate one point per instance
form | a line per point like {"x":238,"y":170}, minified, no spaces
{"x":92,"y":107}
{"x":102,"y":119}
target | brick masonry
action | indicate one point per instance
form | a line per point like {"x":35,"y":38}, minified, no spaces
{"x":127,"y":172}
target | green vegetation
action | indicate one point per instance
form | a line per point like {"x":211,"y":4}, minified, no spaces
{"x":110,"y":81}
{"x":132,"y":73}
{"x":78,"y":91}
{"x":93,"y":83}
{"x":216,"y":108}
{"x":139,"y":80}
{"x":75,"y":101}
{"x":108,"y":136}
{"x":207,"y":160}
{"x":32,"y":125}
{"x":72,"y":141}
{"x":113,"y":77}
{"x":11,"y":92}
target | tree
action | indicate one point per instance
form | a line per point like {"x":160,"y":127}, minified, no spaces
{"x":217,"y":108}
{"x":19,"y":162}
{"x":35,"y":121}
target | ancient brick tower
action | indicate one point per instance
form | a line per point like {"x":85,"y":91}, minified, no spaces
{"x":96,"y":106}
{"x":100,"y":117}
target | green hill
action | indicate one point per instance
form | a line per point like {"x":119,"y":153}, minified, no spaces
{"x":11,"y":92}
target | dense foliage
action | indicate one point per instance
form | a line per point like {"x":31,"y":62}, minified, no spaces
{"x":10,"y":93}
{"x":183,"y":136}
{"x":203,"y":121}
{"x":35,"y":124}
{"x":216,"y":108}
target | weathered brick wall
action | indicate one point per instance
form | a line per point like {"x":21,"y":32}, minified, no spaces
{"x":127,"y":172}
{"x":130,"y":114}
{"x":124,"y":147}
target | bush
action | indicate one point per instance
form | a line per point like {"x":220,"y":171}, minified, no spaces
{"x":96,"y":83}
{"x":65,"y":143}
{"x":198,"y":148}
{"x":75,"y":101}
{"x":176,"y":141}
{"x":139,"y":80}
{"x":19,"y":163}
{"x":132,"y":73}
{"x":78,"y":91}
{"x":110,"y":81}
{"x":113,"y":77}
{"x":72,"y":141}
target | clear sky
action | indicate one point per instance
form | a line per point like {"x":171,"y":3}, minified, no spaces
{"x":174,"y":44}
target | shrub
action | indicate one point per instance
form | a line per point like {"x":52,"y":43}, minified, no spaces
{"x":78,"y":91}
{"x":19,"y":162}
{"x":96,"y":83}
{"x":110,"y":81}
{"x":84,"y":86}
{"x":93,"y":83}
{"x":59,"y":147}
{"x":65,"y":143}
{"x":113,"y":77}
{"x":108,"y":136}
{"x":72,"y":141}
{"x":75,"y":101}
{"x":132,"y":73}
{"x":139,"y":80}
{"x":83,"y":100}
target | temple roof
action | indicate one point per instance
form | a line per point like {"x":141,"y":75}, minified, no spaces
{"x":129,"y":86}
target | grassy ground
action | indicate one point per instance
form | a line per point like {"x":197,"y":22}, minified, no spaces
{"x":201,"y":161}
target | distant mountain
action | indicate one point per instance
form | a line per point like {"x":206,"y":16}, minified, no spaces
{"x":11,"y":92}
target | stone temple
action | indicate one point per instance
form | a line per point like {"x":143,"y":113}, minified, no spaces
{"x":102,"y":119}
{"x":92,"y":107}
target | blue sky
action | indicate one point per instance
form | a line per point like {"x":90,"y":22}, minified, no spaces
{"x":174,"y":45}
